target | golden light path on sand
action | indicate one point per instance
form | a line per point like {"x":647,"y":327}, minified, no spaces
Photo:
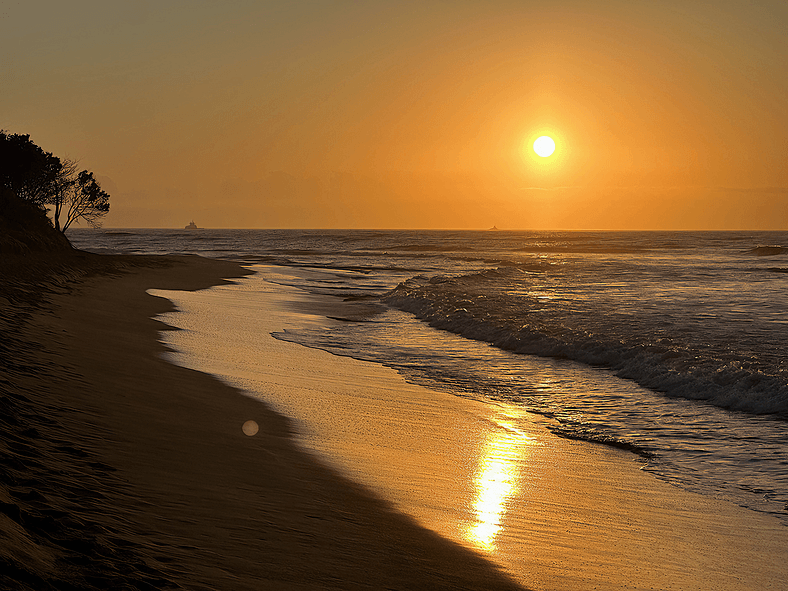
{"x":496,"y":482}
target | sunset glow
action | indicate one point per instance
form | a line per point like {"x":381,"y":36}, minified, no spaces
{"x":303,"y":115}
{"x":483,"y":295}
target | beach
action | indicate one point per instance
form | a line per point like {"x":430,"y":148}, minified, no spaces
{"x":124,"y":470}
{"x":556,"y":514}
{"x":384,"y":296}
{"x":121,"y":470}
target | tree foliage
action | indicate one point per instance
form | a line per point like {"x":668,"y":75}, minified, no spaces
{"x":43,"y":179}
{"x":26,"y":169}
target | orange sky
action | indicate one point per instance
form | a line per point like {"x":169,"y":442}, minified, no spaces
{"x":666,"y":115}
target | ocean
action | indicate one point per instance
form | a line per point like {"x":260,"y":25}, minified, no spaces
{"x":668,"y":344}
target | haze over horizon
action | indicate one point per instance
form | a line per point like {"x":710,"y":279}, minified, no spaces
{"x":665,"y":115}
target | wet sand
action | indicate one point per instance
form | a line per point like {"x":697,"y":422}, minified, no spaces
{"x":121,"y":470}
{"x":557,"y":514}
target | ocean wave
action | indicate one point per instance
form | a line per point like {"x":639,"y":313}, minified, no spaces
{"x":476,"y":307}
{"x":596,"y":436}
{"x":362,"y":236}
{"x":429,"y":247}
{"x":583,"y":248}
{"x":298,"y":252}
{"x":767,"y":251}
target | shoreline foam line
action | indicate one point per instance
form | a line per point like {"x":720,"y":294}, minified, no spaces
{"x":556,"y":513}
{"x":159,"y":487}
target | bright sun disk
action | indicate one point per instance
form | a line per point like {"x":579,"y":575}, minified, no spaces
{"x":544,"y":146}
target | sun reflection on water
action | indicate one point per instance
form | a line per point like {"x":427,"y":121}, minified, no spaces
{"x":496,"y":482}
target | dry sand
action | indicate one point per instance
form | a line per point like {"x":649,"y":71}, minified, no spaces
{"x":123,"y":471}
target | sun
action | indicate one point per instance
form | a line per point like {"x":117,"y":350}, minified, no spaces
{"x":544,"y":146}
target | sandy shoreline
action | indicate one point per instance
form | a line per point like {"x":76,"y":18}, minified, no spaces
{"x":557,"y":514}
{"x":121,"y":470}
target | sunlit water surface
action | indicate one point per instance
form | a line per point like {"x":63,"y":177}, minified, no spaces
{"x":671,"y":345}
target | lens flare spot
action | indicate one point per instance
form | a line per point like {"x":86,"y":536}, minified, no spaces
{"x":250,"y":428}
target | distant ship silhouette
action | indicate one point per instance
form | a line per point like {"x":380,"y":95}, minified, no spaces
{"x":493,"y":228}
{"x":191,"y":226}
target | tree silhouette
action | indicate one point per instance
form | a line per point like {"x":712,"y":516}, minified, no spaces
{"x":43,"y":179}
{"x":26,"y":169}
{"x":81,"y":197}
{"x":61,"y":190}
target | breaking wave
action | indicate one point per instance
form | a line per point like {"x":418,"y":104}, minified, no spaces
{"x":767,"y":251}
{"x":730,"y":370}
